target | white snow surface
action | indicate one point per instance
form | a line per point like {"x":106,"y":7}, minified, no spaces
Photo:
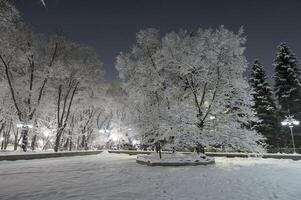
{"x":117,"y":176}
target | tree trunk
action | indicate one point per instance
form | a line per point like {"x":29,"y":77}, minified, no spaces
{"x":158,"y":149}
{"x":199,"y":148}
{"x":45,"y":146}
{"x":160,"y":155}
{"x":33,"y":142}
{"x":78,"y":140}
{"x":58,"y":140}
{"x":6,"y":141}
{"x":16,"y":142}
{"x":66,"y":146}
{"x":70,"y":144}
{"x":24,"y":133}
{"x":86,"y":145}
{"x":3,"y":136}
{"x":83,"y":144}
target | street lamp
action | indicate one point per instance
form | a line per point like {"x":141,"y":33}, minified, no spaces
{"x":291,"y":122}
{"x":24,"y":134}
{"x":21,"y":125}
{"x":104,"y":131}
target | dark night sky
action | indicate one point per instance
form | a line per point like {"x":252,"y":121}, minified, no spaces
{"x":110,"y":25}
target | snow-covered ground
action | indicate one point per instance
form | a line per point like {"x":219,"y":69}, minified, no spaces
{"x":115,"y":177}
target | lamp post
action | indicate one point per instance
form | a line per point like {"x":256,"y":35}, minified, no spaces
{"x":290,"y":122}
{"x":24,"y":133}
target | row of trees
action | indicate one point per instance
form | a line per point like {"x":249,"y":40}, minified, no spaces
{"x":182,"y":90}
{"x":188,"y":90}
{"x":272,"y":105}
{"x":53,"y":93}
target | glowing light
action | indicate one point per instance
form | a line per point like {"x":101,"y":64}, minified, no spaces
{"x":40,"y":142}
{"x":46,"y":133}
{"x":290,"y":121}
{"x":212,"y":117}
{"x":1,"y":139}
{"x":114,"y":137}
{"x":21,"y":125}
{"x":135,"y":142}
{"x":284,"y":123}
{"x":104,"y":131}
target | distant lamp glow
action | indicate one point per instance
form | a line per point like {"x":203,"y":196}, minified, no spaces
{"x":115,"y":137}
{"x":284,"y":123}
{"x":212,"y":117}
{"x":291,"y":122}
{"x":104,"y":131}
{"x":46,"y":133}
{"x":21,"y":125}
{"x":135,"y":142}
{"x":40,"y":142}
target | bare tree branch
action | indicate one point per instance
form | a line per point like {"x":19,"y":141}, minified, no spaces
{"x":11,"y":88}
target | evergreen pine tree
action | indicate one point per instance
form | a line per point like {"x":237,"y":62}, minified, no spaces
{"x":287,"y":90}
{"x":287,"y":82}
{"x":264,"y":104}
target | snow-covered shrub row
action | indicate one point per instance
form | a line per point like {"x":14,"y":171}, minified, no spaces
{"x":175,"y":159}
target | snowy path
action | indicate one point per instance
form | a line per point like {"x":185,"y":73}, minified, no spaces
{"x":116,"y":177}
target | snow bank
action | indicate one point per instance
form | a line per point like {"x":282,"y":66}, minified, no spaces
{"x":20,"y":152}
{"x":114,"y":156}
{"x":176,"y":159}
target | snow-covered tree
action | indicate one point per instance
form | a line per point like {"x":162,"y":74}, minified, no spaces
{"x":73,"y":98}
{"x":26,"y":62}
{"x":27,"y":71}
{"x":188,"y":89}
{"x":264,"y":104}
{"x":287,"y":88}
{"x":287,"y":81}
{"x":144,"y":81}
{"x":48,"y":81}
{"x":76,"y":81}
{"x":210,"y":66}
